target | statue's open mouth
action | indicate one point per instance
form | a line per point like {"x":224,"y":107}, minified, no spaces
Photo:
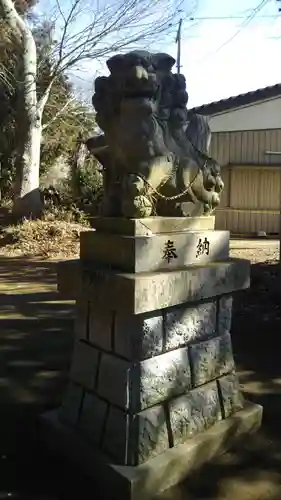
{"x":141,"y":94}
{"x":140,"y":88}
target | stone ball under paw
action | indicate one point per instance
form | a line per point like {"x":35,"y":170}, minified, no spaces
{"x":138,"y":207}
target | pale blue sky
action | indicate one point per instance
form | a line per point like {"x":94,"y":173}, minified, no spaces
{"x":249,"y":61}
{"x":220,"y":57}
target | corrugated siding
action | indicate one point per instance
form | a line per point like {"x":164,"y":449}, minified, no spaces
{"x":246,"y":147}
{"x":247,"y":222}
{"x":245,"y":188}
{"x":251,"y":200}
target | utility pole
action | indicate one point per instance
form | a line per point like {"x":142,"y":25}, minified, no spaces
{"x":178,"y":41}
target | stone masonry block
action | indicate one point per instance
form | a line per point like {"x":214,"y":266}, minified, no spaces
{"x":132,"y":440}
{"x":152,"y":225}
{"x":194,"y":412}
{"x":81,"y":318}
{"x":84,"y":366}
{"x":147,"y":292}
{"x":151,"y":432}
{"x":71,"y":404}
{"x":92,"y":418}
{"x":225,"y":314}
{"x":139,"y":336}
{"x":116,"y":436}
{"x":163,"y":377}
{"x":136,"y":386}
{"x":186,"y":323}
{"x":114,"y":381}
{"x":100,"y":327}
{"x":211,"y":359}
{"x":232,"y":397}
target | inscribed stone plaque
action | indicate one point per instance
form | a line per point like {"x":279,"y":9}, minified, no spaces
{"x":232,"y":396}
{"x":151,"y":253}
{"x":194,"y":412}
{"x":184,"y":324}
{"x":211,"y":359}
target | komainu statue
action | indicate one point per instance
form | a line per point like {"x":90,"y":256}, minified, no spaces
{"x":154,"y":153}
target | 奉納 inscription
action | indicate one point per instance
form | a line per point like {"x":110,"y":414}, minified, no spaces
{"x":203,"y":247}
{"x":170,"y":251}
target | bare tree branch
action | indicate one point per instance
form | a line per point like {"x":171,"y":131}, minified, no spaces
{"x":59,"y":113}
{"x":92,"y":31}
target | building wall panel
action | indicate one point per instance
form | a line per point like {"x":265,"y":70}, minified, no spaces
{"x":246,"y":147}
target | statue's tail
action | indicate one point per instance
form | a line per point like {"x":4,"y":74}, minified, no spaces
{"x":198,"y":132}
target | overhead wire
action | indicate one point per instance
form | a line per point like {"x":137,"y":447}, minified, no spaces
{"x":247,"y":21}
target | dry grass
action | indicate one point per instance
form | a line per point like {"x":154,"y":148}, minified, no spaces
{"x":42,"y":238}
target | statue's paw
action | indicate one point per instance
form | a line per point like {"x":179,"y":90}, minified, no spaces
{"x":133,"y":185}
{"x":138,"y":207}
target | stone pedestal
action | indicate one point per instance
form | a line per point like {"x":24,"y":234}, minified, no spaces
{"x":153,"y":391}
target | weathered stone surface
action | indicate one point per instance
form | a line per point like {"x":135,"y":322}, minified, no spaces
{"x":138,"y":336}
{"x":116,"y":436}
{"x":142,"y":293}
{"x":188,"y":323}
{"x":115,"y":380}
{"x":134,"y":440}
{"x":151,"y":253}
{"x":84,"y":365}
{"x":163,"y":377}
{"x":152,"y":225}
{"x":81,"y":318}
{"x":211,"y":359}
{"x":152,"y":433}
{"x":136,"y":386}
{"x":92,"y":417}
{"x":232,"y":396}
{"x":225,"y":314}
{"x":71,"y":404}
{"x":194,"y":412}
{"x":70,"y":278}
{"x":100,"y":327}
{"x":154,"y":476}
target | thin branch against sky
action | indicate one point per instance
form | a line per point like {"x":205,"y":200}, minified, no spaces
{"x":92,"y":30}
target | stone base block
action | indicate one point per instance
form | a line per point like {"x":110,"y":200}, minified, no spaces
{"x":146,"y":292}
{"x":158,"y":474}
{"x":140,"y":254}
{"x":152,"y":225}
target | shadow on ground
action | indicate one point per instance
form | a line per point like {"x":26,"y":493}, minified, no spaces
{"x":35,"y":349}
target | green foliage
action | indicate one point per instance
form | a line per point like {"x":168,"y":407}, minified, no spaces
{"x":89,"y":181}
{"x":64,"y":116}
{"x":70,"y":214}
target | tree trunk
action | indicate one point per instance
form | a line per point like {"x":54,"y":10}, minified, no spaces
{"x":27,"y":201}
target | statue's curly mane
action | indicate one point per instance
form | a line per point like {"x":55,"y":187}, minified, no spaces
{"x":142,"y":109}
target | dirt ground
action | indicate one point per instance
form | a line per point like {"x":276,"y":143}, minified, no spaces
{"x":35,"y":349}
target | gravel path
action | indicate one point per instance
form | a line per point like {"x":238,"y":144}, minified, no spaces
{"x":255,"y":250}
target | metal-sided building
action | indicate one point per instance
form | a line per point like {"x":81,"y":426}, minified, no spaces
{"x":246,"y":141}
